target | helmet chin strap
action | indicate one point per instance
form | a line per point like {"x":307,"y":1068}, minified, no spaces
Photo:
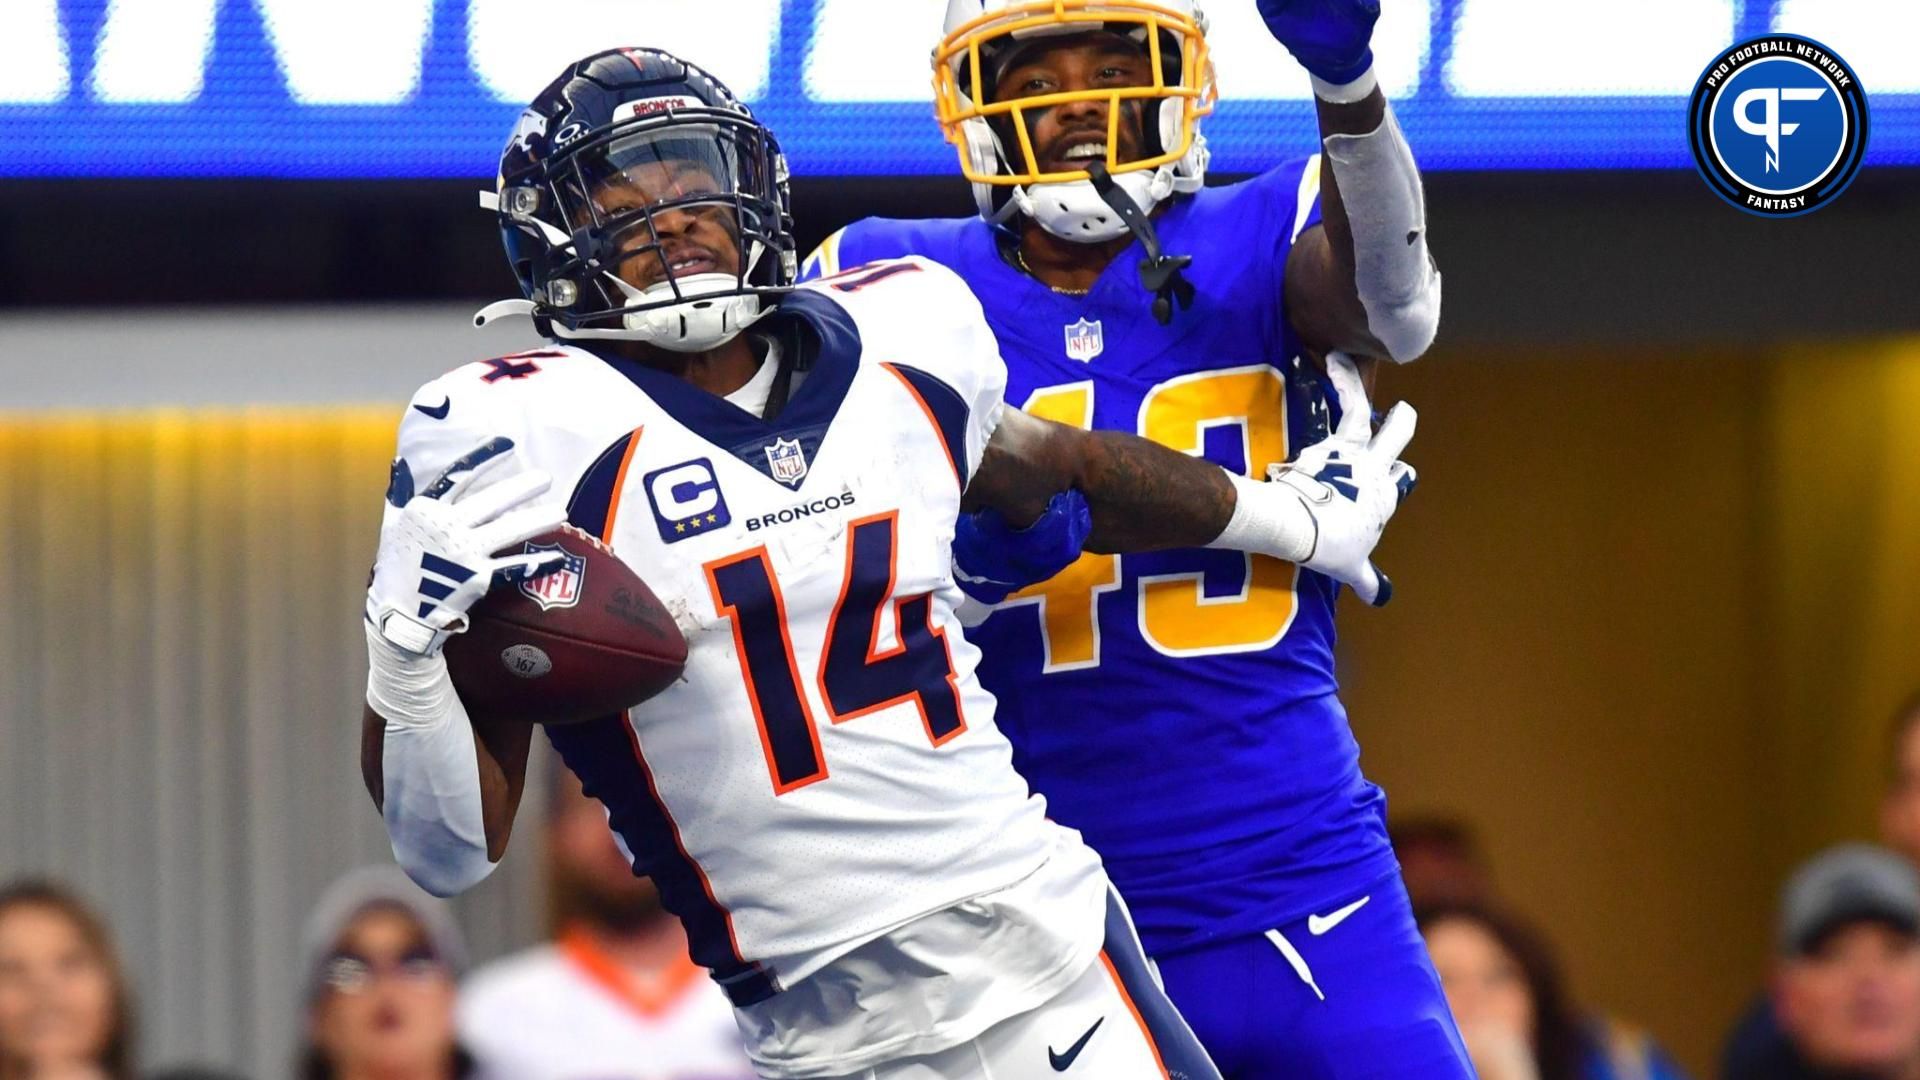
{"x":504,"y":309}
{"x":1159,"y":272}
{"x":700,"y":322}
{"x":707,"y":314}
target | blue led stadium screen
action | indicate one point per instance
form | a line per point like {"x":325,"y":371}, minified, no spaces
{"x":430,"y":88}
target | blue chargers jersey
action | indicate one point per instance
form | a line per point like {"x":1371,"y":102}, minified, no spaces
{"x":1178,"y":708}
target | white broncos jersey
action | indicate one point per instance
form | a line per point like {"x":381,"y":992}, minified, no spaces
{"x":829,"y":768}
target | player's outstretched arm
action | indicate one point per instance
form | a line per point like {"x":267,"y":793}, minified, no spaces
{"x":446,"y":785}
{"x":1362,"y":281}
{"x":1326,"y":510}
{"x":1143,"y":496}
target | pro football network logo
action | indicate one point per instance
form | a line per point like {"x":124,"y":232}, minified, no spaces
{"x":1778,"y":125}
{"x":787,"y":462}
{"x":686,"y":500}
{"x":557,"y":588}
{"x":1085,"y":340}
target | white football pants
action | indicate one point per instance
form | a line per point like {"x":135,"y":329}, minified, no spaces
{"x":1112,"y":1023}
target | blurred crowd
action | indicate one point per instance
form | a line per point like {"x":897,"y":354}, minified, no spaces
{"x":385,"y":990}
{"x":386,"y":993}
{"x":1842,"y":996}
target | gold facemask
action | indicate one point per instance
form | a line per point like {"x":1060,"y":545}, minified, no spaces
{"x":960,"y":54}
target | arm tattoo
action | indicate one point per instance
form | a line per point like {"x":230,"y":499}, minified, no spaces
{"x":1143,"y":495}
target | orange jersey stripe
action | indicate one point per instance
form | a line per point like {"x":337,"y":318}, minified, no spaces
{"x":938,"y":435}
{"x":1135,"y":1010}
{"x":619,"y":485}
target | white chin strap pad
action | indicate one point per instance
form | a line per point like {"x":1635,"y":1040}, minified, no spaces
{"x":697,"y":324}
{"x":1393,"y":272}
{"x":1075,"y":211}
{"x":707,"y":317}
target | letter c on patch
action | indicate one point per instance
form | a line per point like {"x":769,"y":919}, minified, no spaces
{"x":684,"y":491}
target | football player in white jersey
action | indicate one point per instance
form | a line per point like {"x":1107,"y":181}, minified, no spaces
{"x":823,"y":799}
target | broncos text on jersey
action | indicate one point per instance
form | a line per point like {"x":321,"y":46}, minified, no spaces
{"x":829,"y":770}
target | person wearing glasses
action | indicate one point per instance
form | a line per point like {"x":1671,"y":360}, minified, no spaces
{"x":383,"y":961}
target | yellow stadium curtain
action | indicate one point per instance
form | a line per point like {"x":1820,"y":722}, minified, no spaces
{"x":180,"y":698}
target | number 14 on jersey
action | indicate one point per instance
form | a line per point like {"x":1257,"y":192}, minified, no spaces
{"x":856,"y":676}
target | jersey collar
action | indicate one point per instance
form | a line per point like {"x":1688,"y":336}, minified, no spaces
{"x":829,"y":353}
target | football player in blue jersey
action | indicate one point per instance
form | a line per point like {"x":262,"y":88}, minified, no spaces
{"x":1180,"y":708}
{"x":907,"y":910}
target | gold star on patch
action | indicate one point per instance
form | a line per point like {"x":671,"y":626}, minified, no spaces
{"x":680,"y":527}
{"x":712,"y":518}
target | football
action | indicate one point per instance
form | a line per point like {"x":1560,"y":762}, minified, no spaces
{"x":582,"y":642}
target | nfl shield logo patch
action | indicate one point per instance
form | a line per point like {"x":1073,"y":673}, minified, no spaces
{"x":556,"y":588}
{"x":1084,"y":340}
{"x":787,"y":462}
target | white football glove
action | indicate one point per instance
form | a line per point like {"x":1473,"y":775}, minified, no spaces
{"x":437,"y":555}
{"x":1351,"y":483}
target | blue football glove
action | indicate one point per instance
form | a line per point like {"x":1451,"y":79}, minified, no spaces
{"x":1329,"y":37}
{"x":992,"y":559}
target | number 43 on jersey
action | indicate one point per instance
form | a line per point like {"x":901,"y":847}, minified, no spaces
{"x":1175,"y":614}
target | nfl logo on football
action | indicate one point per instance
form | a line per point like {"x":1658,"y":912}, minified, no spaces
{"x":556,"y":588}
{"x":787,"y":462}
{"x":1084,"y":340}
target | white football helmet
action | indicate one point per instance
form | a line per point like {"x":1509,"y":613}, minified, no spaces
{"x":1007,"y":179}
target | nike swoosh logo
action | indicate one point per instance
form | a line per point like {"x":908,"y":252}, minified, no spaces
{"x":1063,"y":1062}
{"x":438,"y":412}
{"x":1320,"y":924}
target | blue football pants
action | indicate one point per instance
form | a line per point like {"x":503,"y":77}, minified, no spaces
{"x":1344,"y":994}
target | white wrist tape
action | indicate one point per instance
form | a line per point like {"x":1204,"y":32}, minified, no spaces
{"x":1348,"y":92}
{"x":430,"y":770}
{"x":1269,"y":519}
{"x":410,"y":690}
{"x":1393,"y":273}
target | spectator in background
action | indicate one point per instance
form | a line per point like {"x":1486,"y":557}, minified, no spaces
{"x":1756,"y":1037}
{"x":616,"y":996}
{"x":382,"y":960}
{"x":1846,"y":987}
{"x":65,"y":1010}
{"x":1505,"y":990}
{"x":1440,"y":859}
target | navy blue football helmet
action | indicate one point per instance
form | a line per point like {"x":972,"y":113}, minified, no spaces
{"x":601,"y":187}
